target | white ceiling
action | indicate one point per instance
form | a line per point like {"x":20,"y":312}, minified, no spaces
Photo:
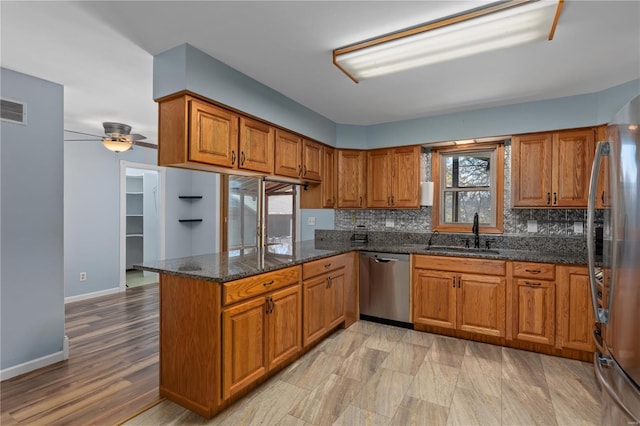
{"x":102,"y":52}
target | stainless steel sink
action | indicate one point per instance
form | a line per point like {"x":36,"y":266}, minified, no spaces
{"x":457,"y":249}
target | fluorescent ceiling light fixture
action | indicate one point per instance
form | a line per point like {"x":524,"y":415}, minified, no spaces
{"x":492,"y":27}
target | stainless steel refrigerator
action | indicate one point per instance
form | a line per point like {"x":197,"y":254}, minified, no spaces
{"x":615,"y":278}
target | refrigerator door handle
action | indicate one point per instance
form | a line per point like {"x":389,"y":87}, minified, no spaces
{"x":599,"y":360}
{"x":600,"y":315}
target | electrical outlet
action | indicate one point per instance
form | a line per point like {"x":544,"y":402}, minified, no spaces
{"x":389,"y":223}
{"x":578,"y":228}
{"x":532,"y":226}
{"x":83,"y":276}
{"x":311,"y":221}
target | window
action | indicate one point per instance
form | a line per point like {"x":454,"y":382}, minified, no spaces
{"x":469,"y":181}
{"x":250,"y":205}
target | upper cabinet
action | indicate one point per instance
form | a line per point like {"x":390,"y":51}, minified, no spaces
{"x":329,"y":187}
{"x":256,"y":146}
{"x":213,"y":134}
{"x":288,"y":154}
{"x":552,"y":169}
{"x":297,"y":157}
{"x":352,"y":169}
{"x":394,"y":177}
{"x":197,"y":134}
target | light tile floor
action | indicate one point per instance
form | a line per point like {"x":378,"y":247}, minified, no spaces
{"x":373,"y":374}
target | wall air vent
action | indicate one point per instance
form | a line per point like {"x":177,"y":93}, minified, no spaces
{"x":13,"y":111}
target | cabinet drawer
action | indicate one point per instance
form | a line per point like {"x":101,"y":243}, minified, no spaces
{"x":540,"y":271}
{"x":460,"y":264}
{"x":317,"y":267}
{"x":245,"y":288}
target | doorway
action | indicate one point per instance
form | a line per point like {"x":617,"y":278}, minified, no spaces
{"x":141,"y":222}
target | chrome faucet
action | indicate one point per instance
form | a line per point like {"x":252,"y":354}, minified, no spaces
{"x":433,"y":234}
{"x":476,"y":231}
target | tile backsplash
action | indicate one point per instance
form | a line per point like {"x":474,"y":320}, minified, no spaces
{"x":549,"y":222}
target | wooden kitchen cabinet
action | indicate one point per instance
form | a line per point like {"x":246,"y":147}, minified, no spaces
{"x":552,"y":169}
{"x":311,"y":160}
{"x":288,"y":154}
{"x":460,"y":293}
{"x":533,"y":304}
{"x":213,"y":134}
{"x":603,"y":192}
{"x":352,"y":166}
{"x":256,"y":146}
{"x":259,"y":333}
{"x":394,"y":177}
{"x":323,"y":296}
{"x":574,"y":312}
{"x":329,"y":185}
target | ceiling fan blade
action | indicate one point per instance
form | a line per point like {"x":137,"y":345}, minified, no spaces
{"x":146,"y":144}
{"x":86,"y":134}
{"x":83,"y":140}
{"x":137,"y":137}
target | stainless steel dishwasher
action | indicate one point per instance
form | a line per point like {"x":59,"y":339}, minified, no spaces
{"x":385,"y":287}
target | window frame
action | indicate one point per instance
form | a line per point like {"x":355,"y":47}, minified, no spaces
{"x":437,"y":222}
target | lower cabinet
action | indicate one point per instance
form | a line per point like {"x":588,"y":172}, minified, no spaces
{"x":323,"y":296}
{"x":260,"y":334}
{"x":457,"y":296}
{"x":574,"y":313}
{"x":533,"y":303}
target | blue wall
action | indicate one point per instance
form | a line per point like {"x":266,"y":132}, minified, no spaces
{"x":187,"y":68}
{"x":31,"y":265}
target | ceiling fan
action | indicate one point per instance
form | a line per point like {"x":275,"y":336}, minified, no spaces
{"x":118,"y":137}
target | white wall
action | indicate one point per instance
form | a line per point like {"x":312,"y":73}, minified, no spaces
{"x":31,"y":221}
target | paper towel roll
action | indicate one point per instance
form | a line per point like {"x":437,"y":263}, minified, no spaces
{"x":426,"y":193}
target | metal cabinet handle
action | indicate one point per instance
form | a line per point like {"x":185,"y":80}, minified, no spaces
{"x":327,"y":266}
{"x":555,"y":199}
{"x":299,"y":170}
{"x":233,"y":158}
{"x":268,"y":283}
{"x":530,"y":284}
{"x":393,"y":201}
{"x":602,"y":197}
{"x":268,"y":303}
{"x":454,"y":282}
{"x":388,"y":201}
{"x":273,"y":305}
{"x":548,"y":198}
{"x":305,"y":170}
{"x":601,"y":315}
{"x":242,"y":158}
{"x":533,"y":271}
{"x":360,"y":201}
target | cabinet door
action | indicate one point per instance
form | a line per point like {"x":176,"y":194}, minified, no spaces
{"x":256,"y":146}
{"x":573,"y":152}
{"x":534,"y":302}
{"x":481,"y":304}
{"x":311,"y":160}
{"x":329,"y":177}
{"x":213,"y":134}
{"x":314,"y":299}
{"x":288,"y":154}
{"x":244,"y":357}
{"x":574,"y":314}
{"x":405,"y":180}
{"x":434,"y":301}
{"x":284,"y":337}
{"x":335,"y":298}
{"x":351,"y":179}
{"x":379,"y":182}
{"x":531,"y":170}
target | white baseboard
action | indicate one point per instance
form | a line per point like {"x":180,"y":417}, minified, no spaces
{"x":92,"y":295}
{"x":34,"y":364}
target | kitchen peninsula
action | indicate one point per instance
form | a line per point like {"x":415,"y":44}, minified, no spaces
{"x":228,"y":321}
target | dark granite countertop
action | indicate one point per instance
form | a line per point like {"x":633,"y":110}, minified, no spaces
{"x":228,"y":266}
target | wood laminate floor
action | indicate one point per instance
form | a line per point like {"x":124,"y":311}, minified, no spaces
{"x":111,"y":373}
{"x":372,"y":374}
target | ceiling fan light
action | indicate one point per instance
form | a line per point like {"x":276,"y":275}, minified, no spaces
{"x":116,"y":145}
